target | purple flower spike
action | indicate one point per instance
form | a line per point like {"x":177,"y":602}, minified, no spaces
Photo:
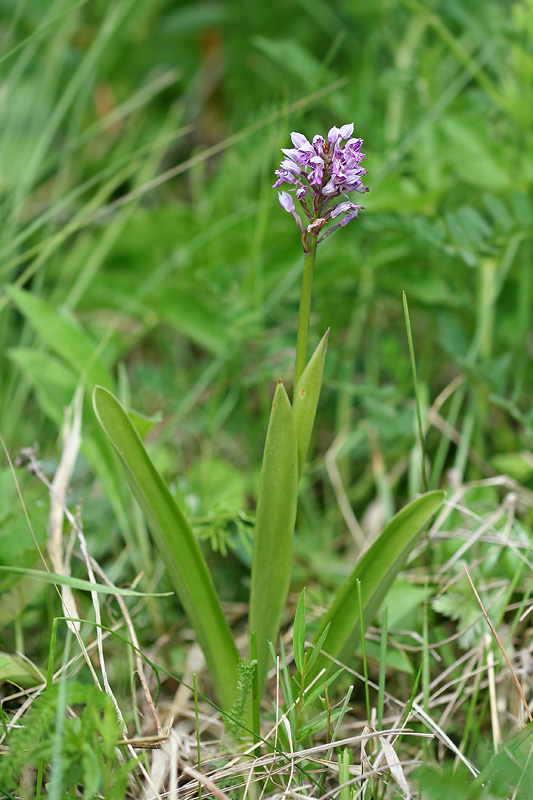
{"x":319,"y":173}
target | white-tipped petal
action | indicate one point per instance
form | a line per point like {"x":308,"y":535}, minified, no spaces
{"x":346,"y":131}
{"x":333,"y":134}
{"x":286,"y":201}
{"x":300,"y":141}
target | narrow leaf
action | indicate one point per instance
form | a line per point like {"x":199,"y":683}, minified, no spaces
{"x":142,"y":423}
{"x":63,"y":335}
{"x":298,"y":634}
{"x":376,"y":569}
{"x":274,"y":528}
{"x":319,"y":723}
{"x":306,"y":397}
{"x":318,"y":689}
{"x":76,"y":583}
{"x":177,"y":544}
{"x":317,"y":647}
{"x":417,"y":392}
{"x":14,"y":669}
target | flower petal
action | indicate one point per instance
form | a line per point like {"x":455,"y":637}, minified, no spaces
{"x":291,"y":152}
{"x":333,"y":134}
{"x":300,"y":141}
{"x":346,"y":131}
{"x":330,"y":188}
{"x":342,"y":208}
{"x":290,"y":166}
{"x":286,"y":201}
{"x":318,"y":144}
{"x":349,"y":217}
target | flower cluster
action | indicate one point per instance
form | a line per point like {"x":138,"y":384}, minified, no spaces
{"x":320,"y":173}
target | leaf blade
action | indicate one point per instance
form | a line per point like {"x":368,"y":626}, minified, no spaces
{"x":75,"y":583}
{"x":62,"y":334}
{"x":275,"y":520}
{"x":298,"y":636}
{"x":376,"y":570}
{"x":306,"y":396}
{"x":177,"y":544}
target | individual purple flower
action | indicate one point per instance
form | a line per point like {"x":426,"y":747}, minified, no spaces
{"x":316,"y":173}
{"x":300,"y":142}
{"x":346,"y":130}
{"x":343,"y":208}
{"x":318,"y":144}
{"x":287,"y":203}
{"x":333,"y":134}
{"x":320,"y":173}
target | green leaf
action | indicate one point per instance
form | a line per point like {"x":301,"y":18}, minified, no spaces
{"x":319,"y":723}
{"x":298,"y":634}
{"x":63,"y":335}
{"x":142,"y":423}
{"x":274,"y":528}
{"x":54,"y":383}
{"x":306,"y":399}
{"x":290,"y":56}
{"x":511,"y":764}
{"x":517,"y":465}
{"x":14,"y":669}
{"x":474,"y":155}
{"x":376,"y":569}
{"x":317,"y":647}
{"x":16,"y":598}
{"x":318,"y":689}
{"x":76,"y":583}
{"x":177,"y":544}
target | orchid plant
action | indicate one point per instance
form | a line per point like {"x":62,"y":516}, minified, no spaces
{"x":320,"y":172}
{"x":320,"y":175}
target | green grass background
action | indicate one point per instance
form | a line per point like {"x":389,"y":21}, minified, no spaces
{"x":142,"y":248}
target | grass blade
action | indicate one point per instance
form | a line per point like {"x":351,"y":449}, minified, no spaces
{"x":274,"y":528}
{"x":63,"y":335}
{"x":177,"y":545}
{"x":298,"y":636}
{"x":76,"y":583}
{"x":417,"y":393}
{"x":376,"y":569}
{"x":382,"y":664}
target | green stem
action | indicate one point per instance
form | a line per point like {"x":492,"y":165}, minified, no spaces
{"x":305,"y":311}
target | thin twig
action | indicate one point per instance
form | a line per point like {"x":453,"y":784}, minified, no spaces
{"x":500,"y":645}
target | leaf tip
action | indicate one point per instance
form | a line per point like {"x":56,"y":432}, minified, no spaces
{"x":98,"y":391}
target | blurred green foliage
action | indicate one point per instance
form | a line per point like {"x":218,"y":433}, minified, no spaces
{"x":141,"y":241}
